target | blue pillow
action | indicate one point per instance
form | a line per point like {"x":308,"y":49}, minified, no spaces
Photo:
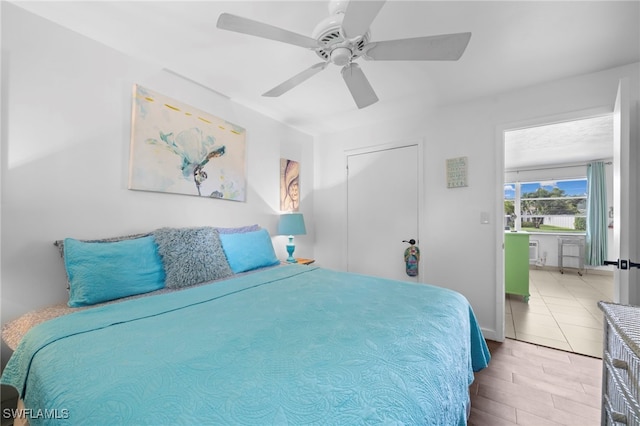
{"x":102,"y":271}
{"x":249,"y":250}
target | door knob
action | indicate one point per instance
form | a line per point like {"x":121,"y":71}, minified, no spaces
{"x":622,"y":264}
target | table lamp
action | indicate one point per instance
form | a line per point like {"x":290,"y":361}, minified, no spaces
{"x":291,"y":224}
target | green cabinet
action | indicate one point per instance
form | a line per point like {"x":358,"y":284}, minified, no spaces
{"x":516,"y":264}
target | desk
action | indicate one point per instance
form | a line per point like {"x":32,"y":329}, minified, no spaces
{"x":516,"y":264}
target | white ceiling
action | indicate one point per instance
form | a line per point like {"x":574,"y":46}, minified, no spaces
{"x":578,"y":141}
{"x":514,"y":44}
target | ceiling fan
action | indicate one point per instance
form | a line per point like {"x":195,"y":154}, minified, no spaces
{"x":342,"y":38}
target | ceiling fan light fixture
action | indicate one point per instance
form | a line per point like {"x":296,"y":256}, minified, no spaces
{"x":341,"y":56}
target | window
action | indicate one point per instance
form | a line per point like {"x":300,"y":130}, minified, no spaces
{"x":546,"y":206}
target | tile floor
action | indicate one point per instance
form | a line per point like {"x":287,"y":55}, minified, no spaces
{"x":562,"y":312}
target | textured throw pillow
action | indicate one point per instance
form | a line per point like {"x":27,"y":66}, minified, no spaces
{"x":191,"y":255}
{"x":249,"y":250}
{"x":104,"y":271}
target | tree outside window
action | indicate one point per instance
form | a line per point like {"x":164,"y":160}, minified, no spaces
{"x":550,"y":206}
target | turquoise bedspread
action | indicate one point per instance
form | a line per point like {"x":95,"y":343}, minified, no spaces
{"x":286,"y":345}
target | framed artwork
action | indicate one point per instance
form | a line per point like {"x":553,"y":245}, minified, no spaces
{"x":179,"y":149}
{"x":289,"y":185}
{"x":457,"y":169}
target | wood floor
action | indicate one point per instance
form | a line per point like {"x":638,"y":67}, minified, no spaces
{"x":527,"y":384}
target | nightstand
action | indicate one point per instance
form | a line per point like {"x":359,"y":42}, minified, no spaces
{"x":300,"y":261}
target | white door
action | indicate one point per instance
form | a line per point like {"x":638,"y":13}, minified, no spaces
{"x":623,"y":202}
{"x":382,"y":210}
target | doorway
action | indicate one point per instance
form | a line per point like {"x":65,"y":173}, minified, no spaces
{"x":544,"y":160}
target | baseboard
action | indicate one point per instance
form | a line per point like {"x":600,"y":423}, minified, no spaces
{"x":490,"y":334}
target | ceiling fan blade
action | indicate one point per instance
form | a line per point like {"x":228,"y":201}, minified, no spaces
{"x":230,"y":22}
{"x":359,"y":86}
{"x":295,"y":80}
{"x":358,"y":17}
{"x":446,"y":47}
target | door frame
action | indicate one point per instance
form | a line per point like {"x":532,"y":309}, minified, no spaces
{"x":418,"y":142}
{"x":624,"y":199}
{"x":499,"y":207}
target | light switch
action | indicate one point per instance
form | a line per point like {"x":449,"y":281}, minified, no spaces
{"x":484,"y":218}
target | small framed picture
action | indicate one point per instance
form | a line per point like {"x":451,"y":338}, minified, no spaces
{"x":457,"y":172}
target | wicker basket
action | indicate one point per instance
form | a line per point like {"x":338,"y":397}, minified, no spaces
{"x":621,"y":365}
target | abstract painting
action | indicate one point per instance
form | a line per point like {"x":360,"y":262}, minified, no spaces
{"x":179,"y":149}
{"x":289,"y":185}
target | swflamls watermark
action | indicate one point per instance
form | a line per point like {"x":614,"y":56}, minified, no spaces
{"x":30,"y":413}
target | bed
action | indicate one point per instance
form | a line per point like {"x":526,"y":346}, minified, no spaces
{"x":268,"y":344}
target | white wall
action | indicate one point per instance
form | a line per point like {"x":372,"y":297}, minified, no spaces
{"x":66,"y":114}
{"x":457,"y":250}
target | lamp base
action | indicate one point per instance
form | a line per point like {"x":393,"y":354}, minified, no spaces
{"x":290,"y":249}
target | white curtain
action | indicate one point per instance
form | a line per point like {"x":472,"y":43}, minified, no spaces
{"x":596,"y":214}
